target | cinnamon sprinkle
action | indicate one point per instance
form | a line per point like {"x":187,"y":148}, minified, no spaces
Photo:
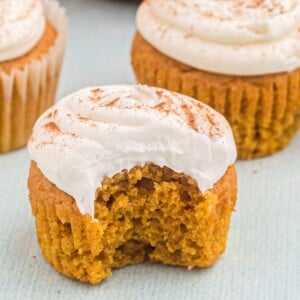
{"x":95,"y":98}
{"x":52,"y":127}
{"x":112,"y":103}
{"x":210,"y":119}
{"x":160,"y":106}
{"x":84,"y":119}
{"x":159,"y":93}
{"x":49,"y":116}
{"x":97,"y":91}
{"x":190,"y":118}
{"x":96,"y":94}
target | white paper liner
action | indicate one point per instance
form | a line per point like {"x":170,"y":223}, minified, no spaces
{"x":25,"y":93}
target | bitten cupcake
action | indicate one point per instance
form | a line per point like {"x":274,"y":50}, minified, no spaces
{"x":240,"y":57}
{"x":121,"y":174}
{"x":32,"y":43}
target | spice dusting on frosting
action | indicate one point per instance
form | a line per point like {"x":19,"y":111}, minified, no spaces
{"x":162,"y":102}
{"x":229,"y":8}
{"x":255,"y":37}
{"x":87,"y":140}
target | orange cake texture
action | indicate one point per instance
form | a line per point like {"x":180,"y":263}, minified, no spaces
{"x":146,"y":213}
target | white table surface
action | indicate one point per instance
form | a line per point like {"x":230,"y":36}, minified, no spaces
{"x":262,"y":260}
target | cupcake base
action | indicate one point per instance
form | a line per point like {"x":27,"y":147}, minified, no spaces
{"x":147,"y":213}
{"x":264,"y":111}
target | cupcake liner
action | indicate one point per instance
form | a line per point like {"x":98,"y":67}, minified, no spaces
{"x":85,"y":249}
{"x":28,"y":91}
{"x":264,"y":111}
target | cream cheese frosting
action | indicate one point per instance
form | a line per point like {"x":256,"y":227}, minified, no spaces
{"x":235,"y":37}
{"x":22,"y":23}
{"x":98,"y":132}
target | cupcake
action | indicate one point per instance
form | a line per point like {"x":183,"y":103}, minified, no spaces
{"x":123,"y":174}
{"x":240,"y":57}
{"x":32,"y":43}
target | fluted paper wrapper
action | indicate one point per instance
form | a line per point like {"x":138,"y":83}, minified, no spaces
{"x":27,"y":92}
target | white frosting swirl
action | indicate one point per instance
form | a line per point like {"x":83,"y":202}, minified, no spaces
{"x":98,"y":132}
{"x":235,"y":37}
{"x":22,"y":24}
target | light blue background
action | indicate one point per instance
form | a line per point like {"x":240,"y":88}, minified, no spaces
{"x":262,"y":260}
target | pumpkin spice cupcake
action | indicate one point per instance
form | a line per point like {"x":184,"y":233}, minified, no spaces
{"x":121,"y":174}
{"x":240,"y":57}
{"x":32,"y":42}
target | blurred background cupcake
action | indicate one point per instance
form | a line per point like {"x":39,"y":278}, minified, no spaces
{"x":32,"y":42}
{"x":240,"y":57}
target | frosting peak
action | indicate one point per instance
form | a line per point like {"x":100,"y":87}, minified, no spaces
{"x":234,"y":37}
{"x":22,"y":24}
{"x":98,"y":132}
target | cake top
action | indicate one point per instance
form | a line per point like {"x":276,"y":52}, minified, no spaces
{"x":98,"y":132}
{"x":22,"y":24}
{"x":235,"y":37}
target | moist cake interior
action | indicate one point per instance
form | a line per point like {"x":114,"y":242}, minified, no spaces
{"x":147,"y":213}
